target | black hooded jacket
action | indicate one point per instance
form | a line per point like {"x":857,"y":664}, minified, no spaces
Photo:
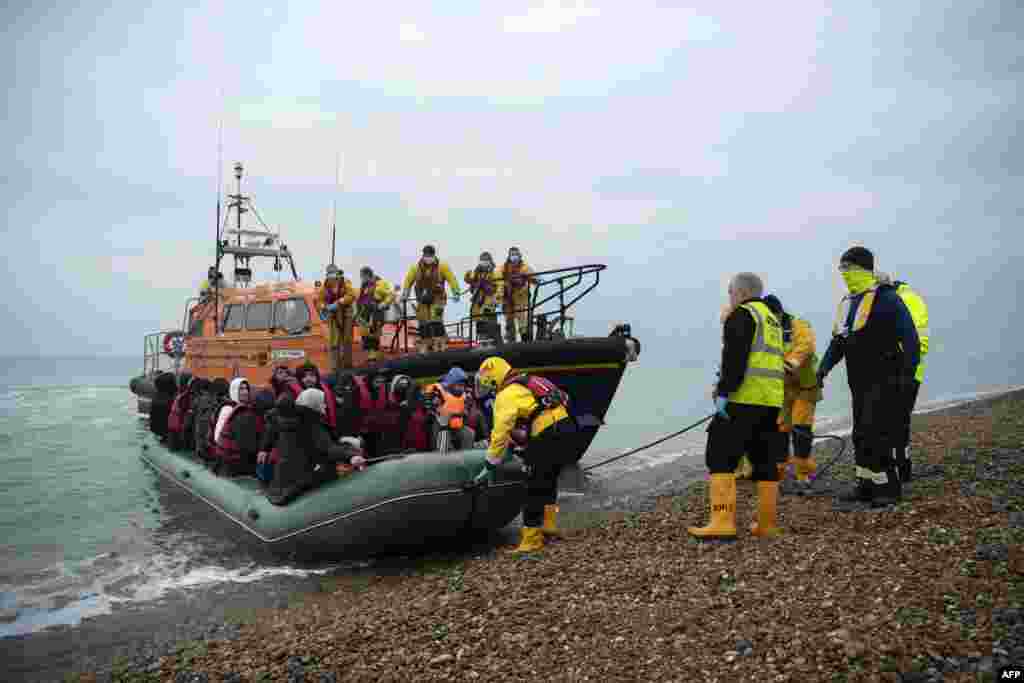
{"x":166,"y":387}
{"x":308,"y":455}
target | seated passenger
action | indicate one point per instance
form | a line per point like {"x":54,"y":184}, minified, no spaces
{"x":450,"y":407}
{"x":160,"y":407}
{"x":180,"y":408}
{"x":309,"y":377}
{"x":234,"y":440}
{"x":283,"y":380}
{"x":309,"y":456}
{"x":206,"y":417}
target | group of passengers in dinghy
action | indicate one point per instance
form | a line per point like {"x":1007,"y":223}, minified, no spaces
{"x":304,"y":430}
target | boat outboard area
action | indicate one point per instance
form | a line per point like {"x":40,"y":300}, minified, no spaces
{"x":320,"y":414}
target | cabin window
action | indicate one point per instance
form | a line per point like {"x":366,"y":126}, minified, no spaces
{"x":258,"y":316}
{"x":291,"y":315}
{"x":234,"y":317}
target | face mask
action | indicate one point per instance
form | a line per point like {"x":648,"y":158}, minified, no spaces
{"x":485,"y":265}
{"x":429,"y":260}
{"x":858,"y":281}
{"x":366,"y":281}
{"x":514,"y":258}
{"x":309,"y":380}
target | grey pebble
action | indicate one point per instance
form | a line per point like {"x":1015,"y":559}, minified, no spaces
{"x":232,"y":677}
{"x":328,"y":677}
{"x":191,"y":677}
{"x":992,"y":551}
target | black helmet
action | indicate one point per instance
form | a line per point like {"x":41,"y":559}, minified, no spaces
{"x":429,"y":250}
{"x":859,"y":256}
{"x":366,"y":270}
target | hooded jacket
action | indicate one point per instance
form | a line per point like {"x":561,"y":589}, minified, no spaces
{"x":330,"y":415}
{"x":290,"y":385}
{"x":160,"y":407}
{"x":303,"y":444}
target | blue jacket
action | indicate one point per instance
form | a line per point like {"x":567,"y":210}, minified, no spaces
{"x":886,"y":346}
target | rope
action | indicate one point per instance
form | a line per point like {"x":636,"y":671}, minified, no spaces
{"x":835,"y":459}
{"x":650,"y":445}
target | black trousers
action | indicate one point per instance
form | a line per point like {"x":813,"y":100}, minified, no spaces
{"x":546,"y":455}
{"x":752,"y":430}
{"x":909,"y":400}
{"x":878,"y":417}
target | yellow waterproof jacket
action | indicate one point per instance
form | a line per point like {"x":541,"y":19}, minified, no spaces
{"x":382,"y":292}
{"x":443,"y":271}
{"x":802,"y":353}
{"x":474,"y":279}
{"x":513,"y":403}
{"x":919,"y":312}
{"x":512,"y":290}
{"x":345,"y":295}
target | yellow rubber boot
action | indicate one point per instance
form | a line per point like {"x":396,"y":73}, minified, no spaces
{"x":805,"y":468}
{"x":745,"y":469}
{"x":550,"y":528}
{"x":723,"y":509}
{"x":531,"y":540}
{"x":767,"y":510}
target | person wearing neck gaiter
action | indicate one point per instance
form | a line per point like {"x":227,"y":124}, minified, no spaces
{"x":874,"y":332}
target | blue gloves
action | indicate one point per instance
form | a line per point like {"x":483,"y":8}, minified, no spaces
{"x":332,"y":307}
{"x":323,"y":314}
{"x":720,"y":403}
{"x":487,"y":474}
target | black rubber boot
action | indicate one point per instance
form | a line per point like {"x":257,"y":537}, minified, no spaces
{"x":890,"y":492}
{"x":906,"y":467}
{"x":857,"y":497}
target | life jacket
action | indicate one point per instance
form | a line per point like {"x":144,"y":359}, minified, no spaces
{"x":378,"y":410}
{"x":483,"y":285}
{"x":366,"y":293}
{"x":226,"y":448}
{"x":428,"y":281}
{"x":513,"y":280}
{"x":545,"y":392}
{"x":369,"y":399}
{"x":331,"y":418}
{"x":335,"y":293}
{"x":451,"y":405}
{"x":293,"y":386}
{"x":841,"y":328}
{"x":179,"y":409}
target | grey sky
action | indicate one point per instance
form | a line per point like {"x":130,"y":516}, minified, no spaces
{"x":676,"y":142}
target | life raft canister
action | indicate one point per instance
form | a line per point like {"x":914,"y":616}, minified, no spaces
{"x":174,"y":344}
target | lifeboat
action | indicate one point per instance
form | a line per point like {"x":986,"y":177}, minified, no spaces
{"x":247,"y":329}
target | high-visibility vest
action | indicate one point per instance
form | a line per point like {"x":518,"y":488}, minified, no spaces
{"x":764,"y":382}
{"x":919,"y":312}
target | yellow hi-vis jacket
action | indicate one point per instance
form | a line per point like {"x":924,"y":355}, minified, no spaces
{"x":919,"y":312}
{"x":764,"y":382}
{"x":513,"y":403}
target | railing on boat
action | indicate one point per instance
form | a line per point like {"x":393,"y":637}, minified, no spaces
{"x":547,"y":323}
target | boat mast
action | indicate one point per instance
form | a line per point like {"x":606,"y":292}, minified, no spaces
{"x":216,"y":228}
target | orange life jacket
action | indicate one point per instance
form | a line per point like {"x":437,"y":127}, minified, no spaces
{"x":451,"y":405}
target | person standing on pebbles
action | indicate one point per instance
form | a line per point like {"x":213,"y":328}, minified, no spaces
{"x":875,"y":333}
{"x":749,"y":395}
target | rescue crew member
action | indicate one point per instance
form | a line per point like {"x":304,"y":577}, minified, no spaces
{"x":450,"y":400}
{"x":375,"y":298}
{"x":875,"y":333}
{"x":335,"y":300}
{"x":531,"y":414}
{"x":517,"y":278}
{"x":796,"y":421}
{"x":485,"y":286}
{"x":919,"y":313}
{"x":749,"y":395}
{"x":429,"y":276}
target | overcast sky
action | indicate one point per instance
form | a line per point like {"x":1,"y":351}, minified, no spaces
{"x":677,"y":142}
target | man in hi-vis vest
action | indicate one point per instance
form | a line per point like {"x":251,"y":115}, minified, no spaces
{"x":749,"y":395}
{"x":875,"y":333}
